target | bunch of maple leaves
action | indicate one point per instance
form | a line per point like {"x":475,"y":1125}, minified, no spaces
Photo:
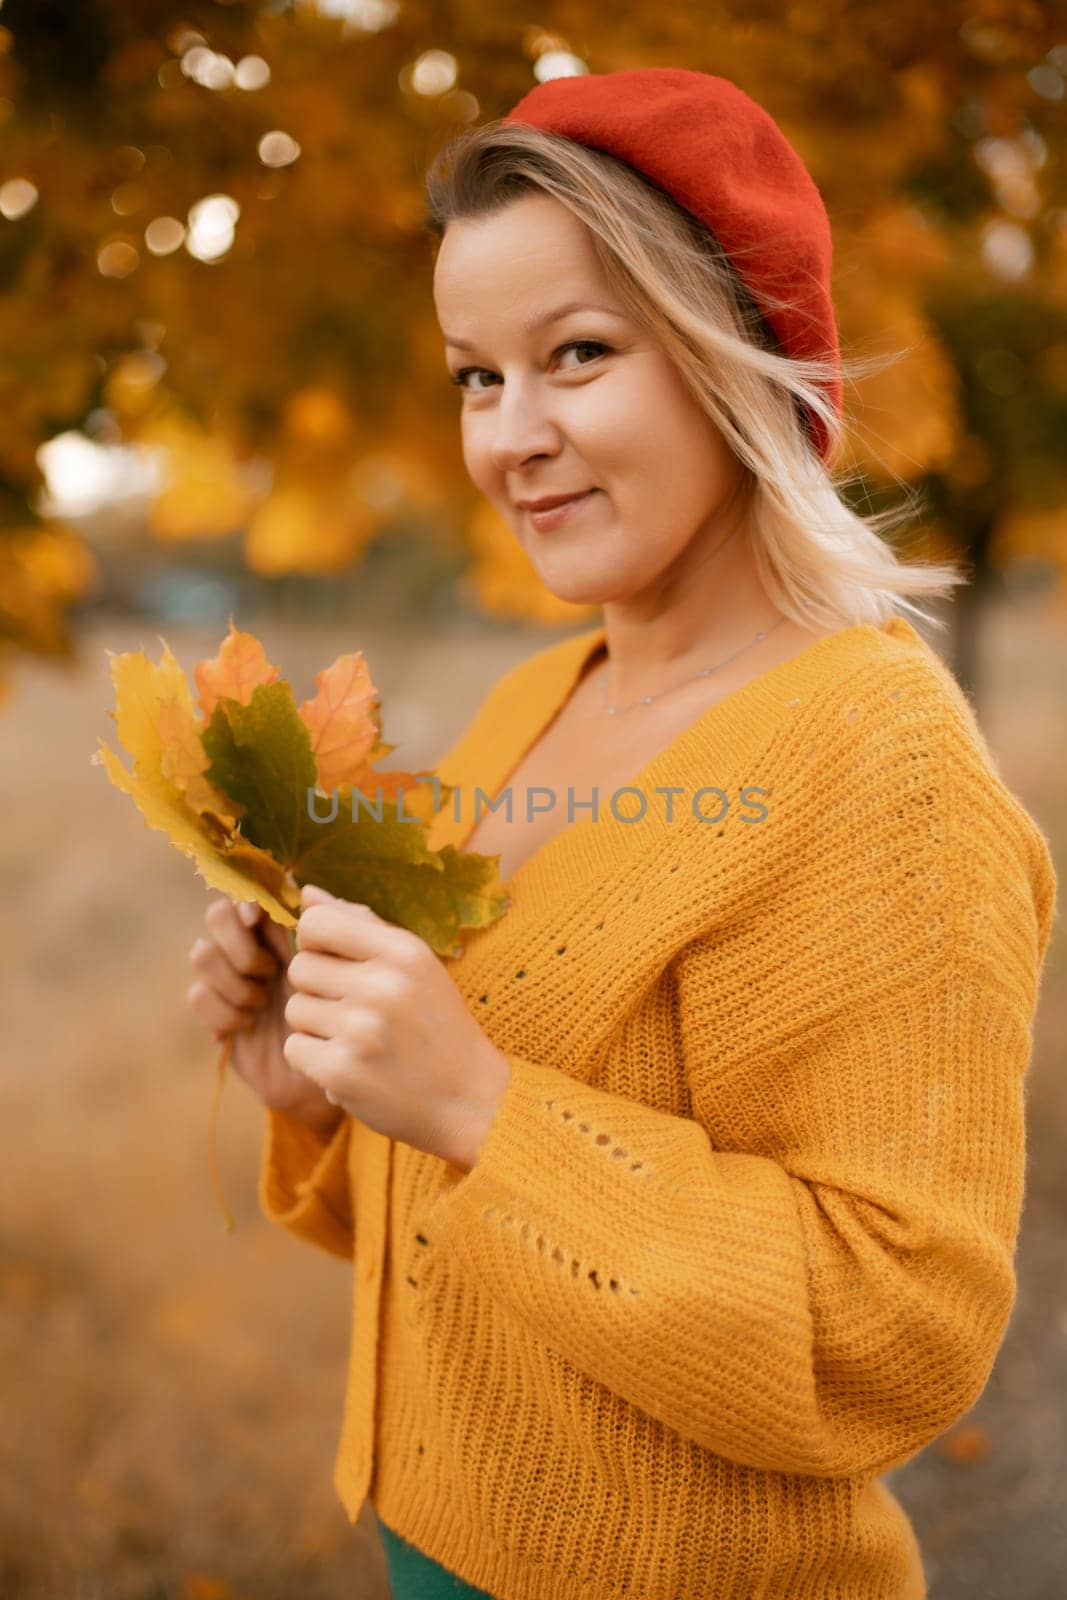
{"x":265,"y":795}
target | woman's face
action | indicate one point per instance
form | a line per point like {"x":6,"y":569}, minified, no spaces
{"x":586,"y":400}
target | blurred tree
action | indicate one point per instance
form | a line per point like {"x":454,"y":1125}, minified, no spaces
{"x":210,"y":232}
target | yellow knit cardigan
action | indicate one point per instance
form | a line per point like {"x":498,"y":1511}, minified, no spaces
{"x":741,"y":1236}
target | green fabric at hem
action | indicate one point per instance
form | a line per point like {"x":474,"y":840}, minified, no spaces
{"x":413,"y":1576}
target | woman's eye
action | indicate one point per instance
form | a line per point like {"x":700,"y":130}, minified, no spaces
{"x":584,"y":344}
{"x":464,"y":373}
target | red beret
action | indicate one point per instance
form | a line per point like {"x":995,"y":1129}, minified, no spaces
{"x":724,"y":159}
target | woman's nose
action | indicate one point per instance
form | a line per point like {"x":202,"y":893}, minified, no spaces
{"x":521,"y":428}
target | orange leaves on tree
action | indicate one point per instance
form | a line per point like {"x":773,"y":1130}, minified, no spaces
{"x":309,"y":525}
{"x":207,"y":492}
{"x":43,"y":567}
{"x":317,"y":515}
{"x":311,"y":373}
{"x":317,"y":416}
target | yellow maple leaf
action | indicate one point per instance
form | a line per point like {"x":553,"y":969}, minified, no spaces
{"x":145,"y":694}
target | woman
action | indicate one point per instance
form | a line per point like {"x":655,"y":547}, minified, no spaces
{"x":683,"y":1204}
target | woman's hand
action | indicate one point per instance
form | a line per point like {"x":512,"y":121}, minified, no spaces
{"x":242,"y":989}
{"x":378,"y":1023}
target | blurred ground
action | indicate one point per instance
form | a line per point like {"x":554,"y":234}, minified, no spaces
{"x":172,"y":1394}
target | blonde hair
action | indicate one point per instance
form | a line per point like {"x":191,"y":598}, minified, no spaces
{"x":821,"y":562}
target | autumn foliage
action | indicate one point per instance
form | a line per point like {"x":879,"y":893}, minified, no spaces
{"x":289,"y":370}
{"x":265,"y":795}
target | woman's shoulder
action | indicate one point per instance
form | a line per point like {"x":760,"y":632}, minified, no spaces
{"x":904,"y":772}
{"x":887,"y":690}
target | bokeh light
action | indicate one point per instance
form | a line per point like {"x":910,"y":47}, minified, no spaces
{"x":1007,"y":250}
{"x":368,"y":16}
{"x":434,"y":72}
{"x":211,"y":226}
{"x":558,"y":64}
{"x":127,"y":198}
{"x":81,"y":475}
{"x":164,"y":235}
{"x":251,"y":72}
{"x":208,"y":67}
{"x":278,"y":149}
{"x":17,"y":196}
{"x":1046,"y":81}
{"x":117,"y":258}
{"x":462,"y":105}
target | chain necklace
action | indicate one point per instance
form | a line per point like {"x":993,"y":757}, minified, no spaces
{"x":703,"y":673}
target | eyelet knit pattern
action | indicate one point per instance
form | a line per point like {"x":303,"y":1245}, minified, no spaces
{"x":741,"y":1236}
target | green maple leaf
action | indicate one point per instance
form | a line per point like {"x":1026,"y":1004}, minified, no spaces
{"x":261,"y":758}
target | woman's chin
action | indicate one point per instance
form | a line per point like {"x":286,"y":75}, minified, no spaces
{"x":590,"y":582}
{"x":575,"y":588}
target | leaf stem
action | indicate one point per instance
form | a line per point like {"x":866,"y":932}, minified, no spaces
{"x":223,"y":1063}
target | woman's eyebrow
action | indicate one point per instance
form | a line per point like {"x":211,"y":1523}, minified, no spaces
{"x":543,"y":318}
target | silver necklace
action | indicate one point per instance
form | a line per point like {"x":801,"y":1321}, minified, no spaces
{"x":703,"y":673}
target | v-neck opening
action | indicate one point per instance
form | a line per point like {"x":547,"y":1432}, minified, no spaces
{"x":755,"y":696}
{"x":570,"y":683}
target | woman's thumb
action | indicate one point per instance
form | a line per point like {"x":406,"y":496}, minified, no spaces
{"x":312,"y":895}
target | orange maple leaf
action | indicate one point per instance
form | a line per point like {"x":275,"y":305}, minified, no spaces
{"x":338,"y":718}
{"x":238,"y":669}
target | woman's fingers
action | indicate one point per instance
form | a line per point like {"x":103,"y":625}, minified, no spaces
{"x":211,"y":963}
{"x":240,"y":967}
{"x":318,"y":973}
{"x":214,"y":1011}
{"x":243,"y":950}
{"x":306,"y":1013}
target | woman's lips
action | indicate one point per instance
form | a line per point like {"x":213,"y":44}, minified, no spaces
{"x":555,"y":515}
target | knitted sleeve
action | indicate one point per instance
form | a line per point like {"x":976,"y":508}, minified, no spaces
{"x":303,"y":1181}
{"x":812,"y":1273}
